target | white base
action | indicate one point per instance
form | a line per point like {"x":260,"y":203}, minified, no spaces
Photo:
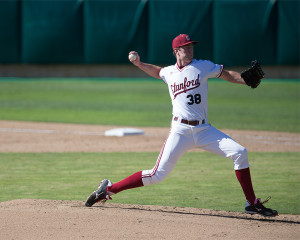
{"x":120,"y":132}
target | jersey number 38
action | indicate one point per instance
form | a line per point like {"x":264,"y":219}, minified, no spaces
{"x":194,"y":99}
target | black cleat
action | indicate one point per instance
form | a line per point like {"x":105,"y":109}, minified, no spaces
{"x":100,"y":195}
{"x":258,"y":208}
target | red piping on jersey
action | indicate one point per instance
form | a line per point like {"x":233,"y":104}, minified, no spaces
{"x":221,"y":70}
{"x":158,"y":160}
{"x":180,"y":69}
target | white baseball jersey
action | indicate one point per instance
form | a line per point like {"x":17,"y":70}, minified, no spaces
{"x":188,"y":87}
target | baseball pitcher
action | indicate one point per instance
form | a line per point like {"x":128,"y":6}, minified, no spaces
{"x":187,"y":82}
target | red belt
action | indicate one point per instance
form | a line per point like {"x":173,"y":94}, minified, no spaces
{"x":193,"y":123}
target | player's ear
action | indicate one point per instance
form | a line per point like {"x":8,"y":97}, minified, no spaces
{"x":174,"y":53}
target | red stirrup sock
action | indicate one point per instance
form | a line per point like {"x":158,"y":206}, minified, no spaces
{"x":133,"y":181}
{"x":244,"y":178}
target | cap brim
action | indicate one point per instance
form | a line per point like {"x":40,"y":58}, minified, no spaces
{"x":193,"y":42}
{"x":187,"y":43}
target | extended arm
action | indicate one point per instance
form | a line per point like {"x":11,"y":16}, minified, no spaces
{"x":232,"y":76}
{"x":151,"y":70}
{"x":251,"y":77}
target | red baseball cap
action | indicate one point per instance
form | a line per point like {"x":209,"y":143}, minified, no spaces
{"x":182,"y":40}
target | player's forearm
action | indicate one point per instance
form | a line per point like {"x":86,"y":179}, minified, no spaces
{"x":232,"y":76}
{"x":151,"y":70}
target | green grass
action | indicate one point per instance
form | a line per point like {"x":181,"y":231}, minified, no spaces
{"x":85,"y":101}
{"x":200,"y":180}
{"x":274,"y":106}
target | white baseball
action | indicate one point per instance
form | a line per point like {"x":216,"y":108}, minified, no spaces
{"x":132,"y":57}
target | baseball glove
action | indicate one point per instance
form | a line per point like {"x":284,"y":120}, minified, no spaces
{"x":253,"y":75}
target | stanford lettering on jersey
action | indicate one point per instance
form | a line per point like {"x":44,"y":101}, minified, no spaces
{"x":185,"y":86}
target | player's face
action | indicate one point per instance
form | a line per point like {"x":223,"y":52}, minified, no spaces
{"x":186,"y":52}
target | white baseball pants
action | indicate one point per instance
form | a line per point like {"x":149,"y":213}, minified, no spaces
{"x":183,"y":137}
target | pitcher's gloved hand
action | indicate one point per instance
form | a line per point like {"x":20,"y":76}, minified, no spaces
{"x":253,"y":75}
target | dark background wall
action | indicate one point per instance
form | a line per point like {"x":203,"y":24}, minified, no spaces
{"x":230,"y":32}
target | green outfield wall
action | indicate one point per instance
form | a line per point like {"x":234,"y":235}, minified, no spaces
{"x":230,"y":32}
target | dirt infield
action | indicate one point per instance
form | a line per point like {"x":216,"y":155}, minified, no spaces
{"x":44,"y":219}
{"x":51,"y":137}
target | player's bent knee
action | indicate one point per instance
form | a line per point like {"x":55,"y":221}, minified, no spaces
{"x":240,"y":159}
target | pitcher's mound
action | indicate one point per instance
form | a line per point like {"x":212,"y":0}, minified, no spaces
{"x":45,"y":219}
